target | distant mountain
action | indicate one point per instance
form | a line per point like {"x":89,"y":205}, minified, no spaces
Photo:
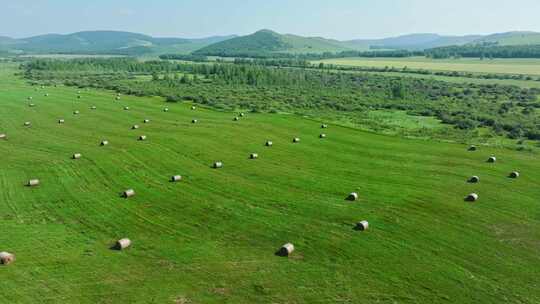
{"x":270,"y":42}
{"x":511,"y":38}
{"x":105,"y":42}
{"x":411,"y":42}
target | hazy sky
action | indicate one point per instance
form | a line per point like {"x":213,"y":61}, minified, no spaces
{"x":341,"y":19}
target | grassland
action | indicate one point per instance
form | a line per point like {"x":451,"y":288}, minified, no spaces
{"x":497,"y":66}
{"x":212,"y":237}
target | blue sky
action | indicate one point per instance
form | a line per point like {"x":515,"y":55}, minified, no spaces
{"x":340,"y":19}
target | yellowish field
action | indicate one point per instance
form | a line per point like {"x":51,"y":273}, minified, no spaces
{"x":503,"y":66}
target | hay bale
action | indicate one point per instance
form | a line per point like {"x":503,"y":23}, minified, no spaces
{"x":194,"y":121}
{"x":474,"y":179}
{"x":117,"y":97}
{"x":6,"y":258}
{"x":78,"y":92}
{"x":285,"y":250}
{"x":126,"y":108}
{"x":46,"y":94}
{"x":3,"y":136}
{"x":254,"y":156}
{"x":472,"y":148}
{"x":31,"y":105}
{"x":236,"y":119}
{"x":269,"y":143}
{"x":296,"y":140}
{"x":352,"y":196}
{"x":61,"y":121}
{"x":322,"y":135}
{"x":362,"y":226}
{"x":492,"y":159}
{"x":176,"y":178}
{"x":135,"y":127}
{"x":27,"y":124}
{"x":324,"y":126}
{"x":93,"y":108}
{"x":242,"y":114}
{"x":128,"y":193}
{"x":104,"y":142}
{"x":76,"y":112}
{"x":122,"y":244}
{"x":514,"y":174}
{"x":146,"y":120}
{"x":193,"y":107}
{"x":33,"y":183}
{"x":166,"y":110}
{"x":142,"y":137}
{"x":218,"y":165}
{"x":77,"y":156}
{"x":30,"y":98}
{"x":473,"y":197}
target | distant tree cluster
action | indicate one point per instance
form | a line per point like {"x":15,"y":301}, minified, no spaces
{"x":485,"y":51}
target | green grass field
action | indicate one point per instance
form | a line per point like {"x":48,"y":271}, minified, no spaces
{"x":498,"y":66}
{"x":212,"y":237}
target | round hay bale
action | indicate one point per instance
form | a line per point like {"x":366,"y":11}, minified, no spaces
{"x":142,"y":137}
{"x":135,"y":127}
{"x":473,"y":148}
{"x":514,"y":174}
{"x":322,"y":135}
{"x":93,"y":108}
{"x":269,"y":143}
{"x":492,"y":159}
{"x":27,"y":124}
{"x":128,"y":193}
{"x":117,"y":97}
{"x":77,"y":156}
{"x":194,"y":121}
{"x":176,"y":178}
{"x":193,"y":107}
{"x":218,"y":165}
{"x":166,"y":110}
{"x":126,"y":108}
{"x":362,"y":226}
{"x":76,"y":112}
{"x":122,"y":244}
{"x":296,"y":140}
{"x":61,"y":121}
{"x":30,"y":98}
{"x":78,"y":92}
{"x":474,"y":179}
{"x":254,"y":156}
{"x":104,"y":142}
{"x":6,"y":258}
{"x":31,"y":105}
{"x":236,"y":119}
{"x":3,"y":136}
{"x":242,"y":114}
{"x":33,"y":183}
{"x":473,"y":197}
{"x":324,"y":126}
{"x":46,"y":94}
{"x":146,"y":121}
{"x":285,"y":250}
{"x":352,"y":196}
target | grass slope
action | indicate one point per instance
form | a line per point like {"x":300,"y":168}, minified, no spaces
{"x":499,"y":66}
{"x":511,"y":38}
{"x":212,"y":237}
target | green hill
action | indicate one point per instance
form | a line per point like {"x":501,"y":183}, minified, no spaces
{"x":211,"y":238}
{"x":511,"y":38}
{"x":266,"y":42}
{"x":105,"y":42}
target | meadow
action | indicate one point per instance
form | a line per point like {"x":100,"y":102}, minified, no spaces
{"x":497,"y":66}
{"x":211,"y":238}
